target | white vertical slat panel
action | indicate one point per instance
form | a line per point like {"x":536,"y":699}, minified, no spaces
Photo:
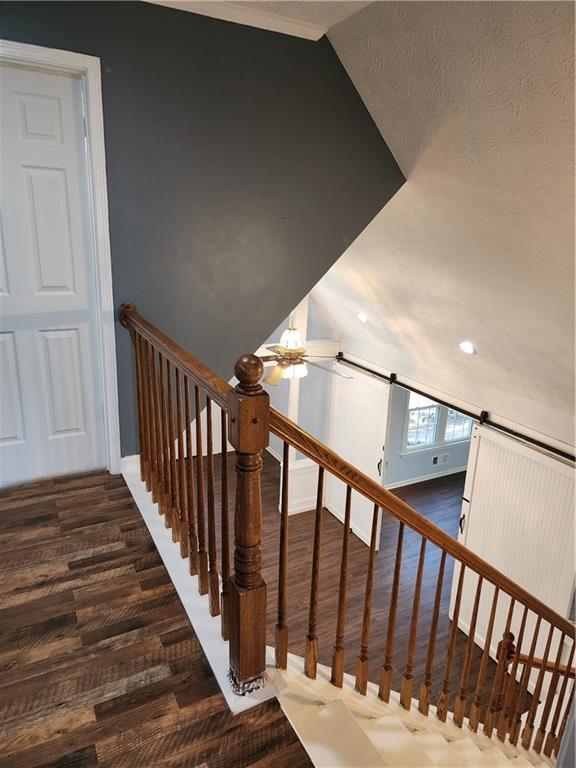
{"x":520,"y":518}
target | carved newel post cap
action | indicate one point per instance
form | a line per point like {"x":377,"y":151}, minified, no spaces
{"x":248,"y":370}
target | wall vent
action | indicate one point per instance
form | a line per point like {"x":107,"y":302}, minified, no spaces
{"x":442,"y":459}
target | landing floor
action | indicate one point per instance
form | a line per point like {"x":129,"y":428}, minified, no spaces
{"x":98,"y":663}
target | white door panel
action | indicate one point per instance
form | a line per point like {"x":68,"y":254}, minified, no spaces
{"x":358,"y":431}
{"x":519,"y":507}
{"x":51,"y":410}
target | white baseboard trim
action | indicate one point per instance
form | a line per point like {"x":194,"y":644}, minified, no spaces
{"x":206,"y":627}
{"x":355,"y":530}
{"x":423,"y":478}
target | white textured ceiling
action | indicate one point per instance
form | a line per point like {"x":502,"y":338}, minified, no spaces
{"x":476,"y":101}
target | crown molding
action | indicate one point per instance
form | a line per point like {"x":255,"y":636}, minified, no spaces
{"x":247,"y":15}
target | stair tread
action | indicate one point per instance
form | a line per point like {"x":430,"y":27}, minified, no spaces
{"x":395,"y":743}
{"x":393,"y":736}
{"x":330,"y":734}
{"x":496,"y":758}
{"x":456,"y":754}
{"x":521,"y":762}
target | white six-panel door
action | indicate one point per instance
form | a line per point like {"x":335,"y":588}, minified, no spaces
{"x":51,"y":412}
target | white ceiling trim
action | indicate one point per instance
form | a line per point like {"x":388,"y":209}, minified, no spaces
{"x":249,"y":16}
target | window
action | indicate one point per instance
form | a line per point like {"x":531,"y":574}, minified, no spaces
{"x":458,"y":426}
{"x":429,"y":423}
{"x":422,"y":421}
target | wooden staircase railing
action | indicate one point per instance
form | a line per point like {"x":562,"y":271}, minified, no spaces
{"x":516,"y":695}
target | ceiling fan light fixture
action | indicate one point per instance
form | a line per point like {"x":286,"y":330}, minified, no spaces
{"x":295,"y":371}
{"x":291,"y":343}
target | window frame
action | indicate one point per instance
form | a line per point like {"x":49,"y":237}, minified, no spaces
{"x":440,"y":429}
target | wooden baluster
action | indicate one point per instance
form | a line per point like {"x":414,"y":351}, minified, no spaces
{"x":146,"y":412}
{"x":200,"y":500}
{"x":474,"y":718}
{"x":152,"y":424}
{"x":406,"y":689}
{"x":311,"y":652}
{"x":225,"y":526}
{"x":248,"y":413}
{"x":281,"y":649}
{"x":182,"y":501}
{"x":174,"y":508}
{"x":190,"y":485}
{"x":504,"y":719}
{"x":462,"y":698}
{"x":337,"y":676}
{"x":442,"y":705}
{"x":503,"y":655}
{"x":140,"y":403}
{"x":167,"y":490}
{"x":564,"y":721}
{"x":529,"y":727}
{"x":213,"y":579}
{"x":516,"y":718}
{"x":552,"y":739}
{"x":426,"y":687}
{"x":362,"y":666}
{"x":386,"y":671}
{"x":541,"y":732}
{"x":158,"y":490}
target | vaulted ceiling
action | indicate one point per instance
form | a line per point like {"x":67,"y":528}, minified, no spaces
{"x":476,"y":102}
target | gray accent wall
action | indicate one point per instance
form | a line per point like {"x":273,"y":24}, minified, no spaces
{"x":241,"y":164}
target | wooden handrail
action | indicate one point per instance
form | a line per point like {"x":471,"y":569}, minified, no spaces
{"x":202,"y":376}
{"x":549,"y":666}
{"x":305,"y":443}
{"x":165,"y":376}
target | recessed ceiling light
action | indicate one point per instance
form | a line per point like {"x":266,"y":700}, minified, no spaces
{"x":467,"y":347}
{"x":362,"y":316}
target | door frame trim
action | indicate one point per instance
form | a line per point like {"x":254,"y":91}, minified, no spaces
{"x":88,"y":68}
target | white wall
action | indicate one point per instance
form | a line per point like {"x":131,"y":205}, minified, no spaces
{"x":404,"y":467}
{"x":476,"y":101}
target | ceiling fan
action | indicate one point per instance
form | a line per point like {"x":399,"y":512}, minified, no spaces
{"x":291,"y":359}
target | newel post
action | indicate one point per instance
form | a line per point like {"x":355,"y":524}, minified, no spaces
{"x":248,"y":418}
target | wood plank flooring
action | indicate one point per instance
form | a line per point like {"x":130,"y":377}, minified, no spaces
{"x":99,"y":665}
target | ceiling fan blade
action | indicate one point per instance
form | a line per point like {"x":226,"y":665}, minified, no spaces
{"x":274,"y":376}
{"x":268,"y":358}
{"x":319,"y":357}
{"x":330,"y":370}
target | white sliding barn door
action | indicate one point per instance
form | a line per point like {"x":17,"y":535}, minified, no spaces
{"x":51,"y":410}
{"x":359,"y":415}
{"x":519,"y":516}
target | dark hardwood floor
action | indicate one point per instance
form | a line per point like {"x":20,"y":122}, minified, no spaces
{"x":99,"y":665}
